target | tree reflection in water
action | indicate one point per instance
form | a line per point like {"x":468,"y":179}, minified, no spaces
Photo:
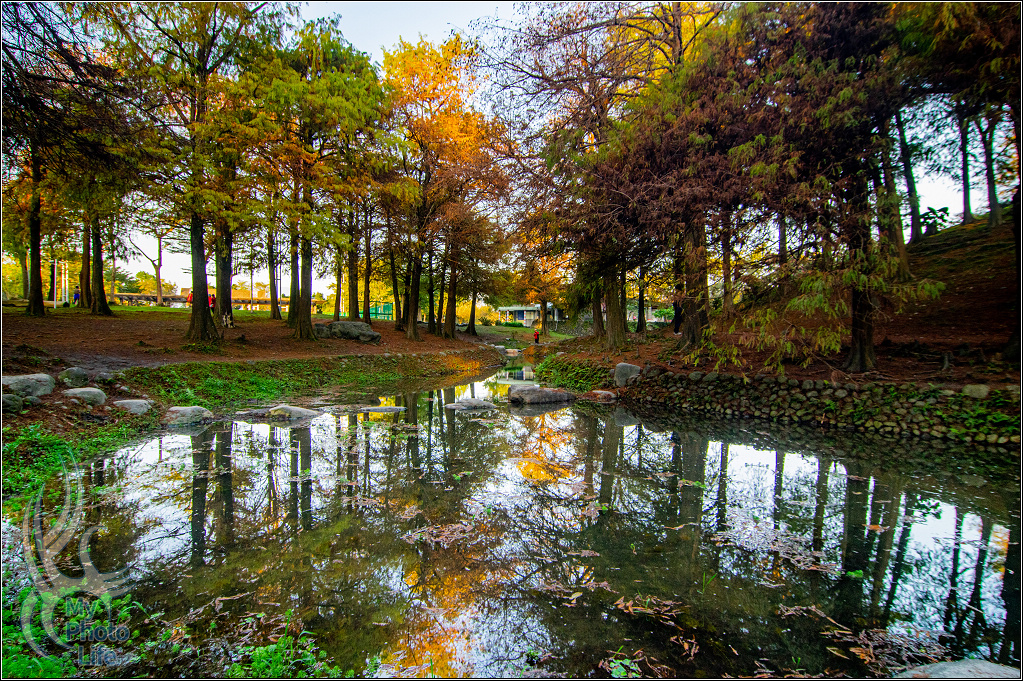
{"x":456,"y":543}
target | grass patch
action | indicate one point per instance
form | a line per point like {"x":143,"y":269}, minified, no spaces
{"x":576,"y":375}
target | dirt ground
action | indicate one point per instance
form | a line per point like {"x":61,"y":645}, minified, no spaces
{"x":153,"y":337}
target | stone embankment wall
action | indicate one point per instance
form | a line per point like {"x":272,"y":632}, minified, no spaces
{"x":973,"y":415}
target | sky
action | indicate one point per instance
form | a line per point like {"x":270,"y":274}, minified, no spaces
{"x":374,"y":26}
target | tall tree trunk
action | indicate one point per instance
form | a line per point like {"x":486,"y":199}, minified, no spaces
{"x":201,"y":328}
{"x":304,"y":317}
{"x":890,"y":218}
{"x":271,"y":260}
{"x":224,"y":259}
{"x":726,"y":266}
{"x":471,"y":328}
{"x":450,"y":318}
{"x":431,"y":318}
{"x":964,"y":154}
{"x":412,"y":301}
{"x":695,"y":318}
{"x":35,"y":307}
{"x":399,"y":320}
{"x":406,"y":295}
{"x":23,"y":263}
{"x":641,"y":301}
{"x":598,"y":311}
{"x":99,"y":295}
{"x":368,"y":236}
{"x":158,"y":268}
{"x":544,"y":324}
{"x":353,"y":268}
{"x":295,"y":277}
{"x":615,"y":338}
{"x":52,"y":271}
{"x":987,"y":136}
{"x":907,"y":168}
{"x":439,"y":328}
{"x":857,"y":235}
{"x":339,"y":280}
{"x":1012,"y":348}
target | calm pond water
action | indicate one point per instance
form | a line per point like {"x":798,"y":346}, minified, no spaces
{"x":574,"y":542}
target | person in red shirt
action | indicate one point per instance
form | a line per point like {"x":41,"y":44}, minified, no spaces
{"x":536,"y":336}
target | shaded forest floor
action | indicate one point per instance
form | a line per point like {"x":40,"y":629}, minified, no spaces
{"x":972,"y":320}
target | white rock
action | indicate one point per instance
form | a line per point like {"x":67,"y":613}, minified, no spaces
{"x":134,"y":406}
{"x":185,"y":416}
{"x":30,"y":384}
{"x":286,"y":412}
{"x":93,"y":396}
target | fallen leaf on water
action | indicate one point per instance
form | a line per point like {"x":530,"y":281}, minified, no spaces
{"x":576,"y":595}
{"x":876,"y":528}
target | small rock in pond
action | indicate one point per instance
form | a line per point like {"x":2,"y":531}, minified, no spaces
{"x":186,"y":416}
{"x":383,"y":410}
{"x":286,"y":412}
{"x":469,"y":403}
{"x":530,"y":394}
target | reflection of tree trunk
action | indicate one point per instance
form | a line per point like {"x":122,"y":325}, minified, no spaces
{"x":225,"y":489}
{"x":979,"y":625}
{"x":449,"y":417}
{"x":200,"y":483}
{"x":1009,"y":652}
{"x":854,"y":555}
{"x":273,"y":495}
{"x":821,"y":495}
{"x":694,"y":465}
{"x":306,"y":466}
{"x":900,"y":555}
{"x":293,"y":478}
{"x":590,"y":424}
{"x":952,"y":602}
{"x":722,"y":500}
{"x":890,"y":508}
{"x":779,"y":487}
{"x":612,"y":434}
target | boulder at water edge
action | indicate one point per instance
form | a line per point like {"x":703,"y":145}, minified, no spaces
{"x":286,"y":412}
{"x":469,"y":404}
{"x":186,"y":416}
{"x":531,"y":394}
{"x":963,"y":669}
{"x":29,"y":384}
{"x":93,"y":396}
{"x":74,"y":377}
{"x":360,"y":331}
{"x":134,"y":406}
{"x":624,"y":371}
{"x":12,"y":403}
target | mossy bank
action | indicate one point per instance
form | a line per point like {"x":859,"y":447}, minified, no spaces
{"x":974,"y":415}
{"x":33,"y":446}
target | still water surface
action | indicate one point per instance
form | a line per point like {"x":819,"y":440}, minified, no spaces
{"x":569,"y":542}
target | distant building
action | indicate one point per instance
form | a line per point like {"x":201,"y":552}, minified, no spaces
{"x":529,"y":314}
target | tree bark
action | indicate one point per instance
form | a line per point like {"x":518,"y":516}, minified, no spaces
{"x":338,"y":282}
{"x":224,"y":259}
{"x":412,"y":301}
{"x":907,"y":167}
{"x":23,"y":263}
{"x":891,"y":219}
{"x":395,"y":291}
{"x":726,"y":266}
{"x":295,"y":278}
{"x":431,"y":319}
{"x":598,"y":311}
{"x":994,"y":218}
{"x":450,"y":317}
{"x":615,"y":336}
{"x":158,"y":268}
{"x":35,"y":307}
{"x":641,"y":301}
{"x":271,"y":260}
{"x":439,"y":329}
{"x":695,"y":318}
{"x":964,"y":153}
{"x":201,"y":328}
{"x":471,"y":328}
{"x":353,"y":269}
{"x":99,"y":295}
{"x":368,"y":236}
{"x":304,"y":316}
{"x":545,"y":329}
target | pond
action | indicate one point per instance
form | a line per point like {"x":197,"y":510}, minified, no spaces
{"x":578,"y":542}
